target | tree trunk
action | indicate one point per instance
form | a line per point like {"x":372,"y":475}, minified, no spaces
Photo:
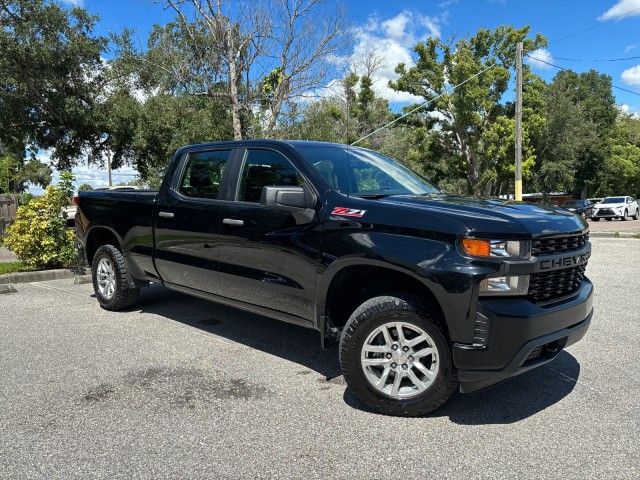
{"x":235,"y":102}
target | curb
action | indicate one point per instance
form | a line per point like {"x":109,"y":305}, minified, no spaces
{"x":8,"y":288}
{"x":40,"y":276}
{"x":614,"y":234}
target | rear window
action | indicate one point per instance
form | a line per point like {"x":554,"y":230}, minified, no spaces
{"x":202,"y":174}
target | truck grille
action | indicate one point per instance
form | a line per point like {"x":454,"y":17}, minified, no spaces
{"x":557,"y":283}
{"x":606,"y":211}
{"x":564,"y":243}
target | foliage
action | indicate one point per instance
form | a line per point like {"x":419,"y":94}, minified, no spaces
{"x":39,"y":236}
{"x":16,"y":173}
{"x":85,"y":187}
{"x":50,"y":78}
{"x":13,"y":267}
{"x":464,"y":115}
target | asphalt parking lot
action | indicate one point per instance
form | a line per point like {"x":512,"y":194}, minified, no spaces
{"x":622,"y":226}
{"x":183,"y":388}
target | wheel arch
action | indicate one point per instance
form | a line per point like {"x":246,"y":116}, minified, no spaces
{"x":101,"y":235}
{"x":335,"y":303}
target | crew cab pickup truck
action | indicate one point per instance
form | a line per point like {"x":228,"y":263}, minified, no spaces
{"x":426,"y":292}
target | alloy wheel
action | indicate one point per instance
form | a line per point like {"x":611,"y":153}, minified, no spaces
{"x":106,"y":277}
{"x":400,"y":360}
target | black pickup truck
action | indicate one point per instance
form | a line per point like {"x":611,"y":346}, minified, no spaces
{"x":425,"y":291}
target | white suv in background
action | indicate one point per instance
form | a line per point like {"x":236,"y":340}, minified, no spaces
{"x":615,"y":207}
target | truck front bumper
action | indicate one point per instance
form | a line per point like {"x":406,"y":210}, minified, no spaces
{"x":522,"y":336}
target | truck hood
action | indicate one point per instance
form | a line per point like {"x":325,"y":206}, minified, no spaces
{"x":494,"y":216}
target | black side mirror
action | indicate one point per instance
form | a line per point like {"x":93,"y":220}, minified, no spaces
{"x":287,"y":198}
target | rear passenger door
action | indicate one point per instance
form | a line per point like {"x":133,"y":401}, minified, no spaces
{"x":268,"y":256}
{"x":187,"y":223}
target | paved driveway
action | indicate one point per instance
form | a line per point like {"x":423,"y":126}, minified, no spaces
{"x":622,"y":226}
{"x":6,"y":255}
{"x":182,"y":388}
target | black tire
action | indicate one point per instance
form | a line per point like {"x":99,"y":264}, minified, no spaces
{"x":635,"y":215}
{"x":374,"y":313}
{"x":595,"y":219}
{"x":624,"y":217}
{"x":126,"y":289}
{"x":608,"y":219}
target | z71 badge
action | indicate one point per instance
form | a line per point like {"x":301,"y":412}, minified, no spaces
{"x":348,"y":212}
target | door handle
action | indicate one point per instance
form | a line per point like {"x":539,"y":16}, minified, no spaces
{"x":233,"y":222}
{"x":165,"y":214}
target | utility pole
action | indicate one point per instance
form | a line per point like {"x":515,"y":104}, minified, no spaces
{"x":109,"y":166}
{"x":518,"y":184}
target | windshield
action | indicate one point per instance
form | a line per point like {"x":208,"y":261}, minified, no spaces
{"x":613,"y":200}
{"x":364,"y":173}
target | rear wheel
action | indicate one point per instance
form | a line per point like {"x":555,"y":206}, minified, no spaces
{"x":112,"y":283}
{"x":395,"y":357}
{"x":595,"y":219}
{"x":635,"y":215}
{"x":608,"y":219}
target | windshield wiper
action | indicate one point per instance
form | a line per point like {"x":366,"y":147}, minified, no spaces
{"x":374,"y":196}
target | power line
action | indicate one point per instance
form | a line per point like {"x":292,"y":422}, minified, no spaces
{"x":426,"y":102}
{"x":630,"y":12}
{"x":622,"y":59}
{"x":568,"y":69}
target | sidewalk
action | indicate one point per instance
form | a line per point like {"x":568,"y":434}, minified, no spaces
{"x":6,"y":255}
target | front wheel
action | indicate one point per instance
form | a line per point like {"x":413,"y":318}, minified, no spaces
{"x":395,"y":357}
{"x":624,"y":217}
{"x":114,"y":287}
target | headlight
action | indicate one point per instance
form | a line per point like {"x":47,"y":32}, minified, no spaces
{"x":479,"y":247}
{"x":505,"y":285}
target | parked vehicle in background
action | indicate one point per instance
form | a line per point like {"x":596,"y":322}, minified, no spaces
{"x":584,"y":208}
{"x":615,"y":207}
{"x":595,"y":200}
{"x":425,"y":291}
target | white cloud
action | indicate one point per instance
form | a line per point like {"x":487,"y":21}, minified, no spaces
{"x":630,"y":47}
{"x":74,"y":3}
{"x":538,"y":57}
{"x":621,"y":9}
{"x":393,"y":40}
{"x":631,"y":76}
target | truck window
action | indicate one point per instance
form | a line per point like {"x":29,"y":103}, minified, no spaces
{"x":202,"y":174}
{"x":265,"y":168}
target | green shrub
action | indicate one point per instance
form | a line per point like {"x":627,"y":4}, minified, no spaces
{"x":39,"y":237}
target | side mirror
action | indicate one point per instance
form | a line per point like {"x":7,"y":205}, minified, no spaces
{"x":287,"y":198}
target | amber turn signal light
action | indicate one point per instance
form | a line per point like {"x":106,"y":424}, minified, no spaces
{"x":476,"y":247}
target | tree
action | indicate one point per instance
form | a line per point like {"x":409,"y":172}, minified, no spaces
{"x":49,"y":78}
{"x":257,"y":59}
{"x":464,"y":115}
{"x":620,"y":173}
{"x":16,"y":173}
{"x":575,"y":143}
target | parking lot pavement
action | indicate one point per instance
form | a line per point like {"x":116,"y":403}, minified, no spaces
{"x":183,"y":388}
{"x":6,"y":255}
{"x":627,"y":226}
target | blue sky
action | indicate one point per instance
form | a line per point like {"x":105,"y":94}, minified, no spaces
{"x":393,"y":27}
